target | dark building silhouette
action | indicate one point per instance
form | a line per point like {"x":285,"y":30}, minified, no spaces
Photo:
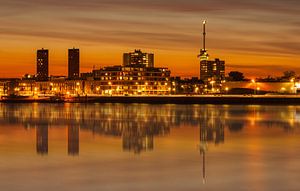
{"x":138,"y":58}
{"x":73,"y":64}
{"x":73,"y":140}
{"x":42,"y":139}
{"x":42,"y":71}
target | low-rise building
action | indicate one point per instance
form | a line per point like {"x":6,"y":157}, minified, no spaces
{"x":134,"y":79}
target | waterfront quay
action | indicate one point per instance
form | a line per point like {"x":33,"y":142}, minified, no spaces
{"x":170,"y":99}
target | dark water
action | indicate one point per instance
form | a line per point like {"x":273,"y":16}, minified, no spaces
{"x":149,"y":147}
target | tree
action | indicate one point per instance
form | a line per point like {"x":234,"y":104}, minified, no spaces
{"x":236,"y":76}
{"x":289,"y":74}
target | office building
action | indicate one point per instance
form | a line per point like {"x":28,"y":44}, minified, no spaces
{"x":137,"y":58}
{"x":73,"y":64}
{"x":42,"y":71}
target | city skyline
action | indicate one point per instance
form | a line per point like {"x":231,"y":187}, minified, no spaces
{"x":257,"y":38}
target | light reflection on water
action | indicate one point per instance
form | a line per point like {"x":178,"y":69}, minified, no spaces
{"x":149,"y":147}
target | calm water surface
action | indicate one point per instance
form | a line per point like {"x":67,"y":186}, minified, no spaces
{"x":140,"y":147}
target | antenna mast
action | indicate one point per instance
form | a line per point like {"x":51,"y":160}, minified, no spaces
{"x":204,"y":34}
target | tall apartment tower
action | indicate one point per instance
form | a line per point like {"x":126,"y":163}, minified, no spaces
{"x":138,"y":58}
{"x":212,"y":70}
{"x":73,"y":64}
{"x":42,"y":66}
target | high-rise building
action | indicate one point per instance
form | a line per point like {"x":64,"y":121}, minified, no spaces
{"x":138,"y":58}
{"x":42,"y":70}
{"x":212,"y":72}
{"x":73,"y":64}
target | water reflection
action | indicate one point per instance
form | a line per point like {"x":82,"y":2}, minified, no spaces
{"x":137,"y":140}
{"x":138,"y":125}
{"x":42,"y":139}
{"x":211,"y":131}
{"x":252,"y":144}
{"x":73,"y":140}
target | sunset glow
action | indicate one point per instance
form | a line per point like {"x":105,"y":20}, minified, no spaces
{"x":258,"y":38}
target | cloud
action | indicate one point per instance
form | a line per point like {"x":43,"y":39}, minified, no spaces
{"x":165,"y":5}
{"x":258,"y":27}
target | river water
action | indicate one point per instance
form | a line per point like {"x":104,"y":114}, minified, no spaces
{"x":140,"y":147}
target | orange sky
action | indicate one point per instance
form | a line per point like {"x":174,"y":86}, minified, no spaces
{"x":257,"y":37}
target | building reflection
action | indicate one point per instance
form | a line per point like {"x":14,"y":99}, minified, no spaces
{"x":138,"y":125}
{"x":138,"y":140}
{"x":73,"y":140}
{"x":235,"y":126}
{"x":42,"y":139}
{"x":212,"y":127}
{"x":212,"y":131}
{"x":137,"y":136}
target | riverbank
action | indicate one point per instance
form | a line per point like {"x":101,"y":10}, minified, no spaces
{"x":211,"y":99}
